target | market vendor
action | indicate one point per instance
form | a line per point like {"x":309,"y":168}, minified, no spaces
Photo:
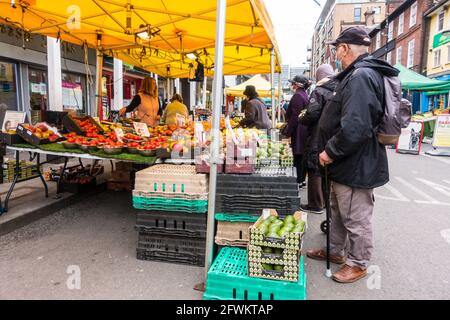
{"x":256,"y":115}
{"x":145,"y":103}
{"x":175,"y":111}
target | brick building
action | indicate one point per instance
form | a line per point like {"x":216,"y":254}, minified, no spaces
{"x":400,"y":37}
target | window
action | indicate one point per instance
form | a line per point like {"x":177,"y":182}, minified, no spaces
{"x":38,"y":89}
{"x":8,"y":87}
{"x":440,"y":24}
{"x":378,"y":41}
{"x":389,"y":57}
{"x":357,"y":15}
{"x":401,"y":22}
{"x":391,"y":31}
{"x":437,"y":58}
{"x":73,"y":92}
{"x":413,"y":15}
{"x":411,"y":45}
{"x":399,"y":55}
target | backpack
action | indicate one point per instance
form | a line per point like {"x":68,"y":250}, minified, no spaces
{"x":397,"y":112}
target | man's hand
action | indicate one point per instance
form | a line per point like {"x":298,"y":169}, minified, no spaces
{"x":325,"y":159}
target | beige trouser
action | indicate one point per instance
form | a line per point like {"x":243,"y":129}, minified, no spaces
{"x":351,"y":226}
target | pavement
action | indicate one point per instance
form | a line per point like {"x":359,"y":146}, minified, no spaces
{"x":96,"y":240}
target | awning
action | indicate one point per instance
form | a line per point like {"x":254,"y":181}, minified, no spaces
{"x":262,"y":86}
{"x":177,"y":27}
{"x":435,"y":93}
{"x":414,"y":81}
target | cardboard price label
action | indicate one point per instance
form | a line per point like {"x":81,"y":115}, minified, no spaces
{"x":119,"y":134}
{"x":141,"y":129}
{"x":181,"y":120}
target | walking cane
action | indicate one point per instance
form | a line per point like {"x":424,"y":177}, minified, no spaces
{"x":328,"y":273}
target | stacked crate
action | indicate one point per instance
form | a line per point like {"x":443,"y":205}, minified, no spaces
{"x":173,"y":202}
{"x":26,"y":170}
{"x":238,"y":194}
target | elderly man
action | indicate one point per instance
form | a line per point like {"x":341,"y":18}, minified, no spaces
{"x":356,"y":162}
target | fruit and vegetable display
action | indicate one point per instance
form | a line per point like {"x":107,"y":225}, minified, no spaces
{"x":273,"y":227}
{"x":41,"y":133}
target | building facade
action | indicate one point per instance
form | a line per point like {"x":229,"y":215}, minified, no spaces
{"x":437,"y":52}
{"x":336,"y":16}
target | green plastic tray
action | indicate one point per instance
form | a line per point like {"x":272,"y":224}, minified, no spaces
{"x":230,"y":217}
{"x":176,"y":205}
{"x":228,"y":280}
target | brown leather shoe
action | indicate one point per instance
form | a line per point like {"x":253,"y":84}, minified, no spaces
{"x":348,"y":274}
{"x":318,"y":254}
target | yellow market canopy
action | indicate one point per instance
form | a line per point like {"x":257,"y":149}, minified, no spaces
{"x":262,"y":86}
{"x":155,"y":35}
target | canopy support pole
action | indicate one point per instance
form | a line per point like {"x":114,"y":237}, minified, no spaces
{"x":216,"y":135}
{"x":280,"y":90}
{"x":55,"y":100}
{"x":205,"y":81}
{"x":98,"y":110}
{"x":118,"y":84}
{"x":272,"y":86}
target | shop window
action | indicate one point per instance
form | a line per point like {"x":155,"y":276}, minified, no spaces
{"x":38,"y":89}
{"x":8,"y":86}
{"x":73,"y":92}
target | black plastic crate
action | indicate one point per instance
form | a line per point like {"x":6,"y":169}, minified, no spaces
{"x":255,"y":204}
{"x":171,"y":249}
{"x":239,"y":179}
{"x":170,"y":257}
{"x":172,"y":223}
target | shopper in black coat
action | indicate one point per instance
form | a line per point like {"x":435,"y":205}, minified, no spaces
{"x":319,"y":97}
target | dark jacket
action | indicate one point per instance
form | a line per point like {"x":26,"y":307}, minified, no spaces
{"x":317,"y":101}
{"x":256,"y":115}
{"x":348,"y":124}
{"x":295,"y":130}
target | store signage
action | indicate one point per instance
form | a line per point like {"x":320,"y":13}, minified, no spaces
{"x":440,"y":40}
{"x":12,"y":120}
{"x":141,"y":129}
{"x":411,"y":138}
{"x":441,"y":138}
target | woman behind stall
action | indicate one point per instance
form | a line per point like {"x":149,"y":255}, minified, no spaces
{"x":174,"y":108}
{"x":145,"y":103}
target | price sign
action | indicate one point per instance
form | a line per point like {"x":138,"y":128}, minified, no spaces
{"x":119,"y":134}
{"x":181,"y":120}
{"x":141,"y":129}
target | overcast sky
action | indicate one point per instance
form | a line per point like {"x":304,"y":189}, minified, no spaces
{"x":294,"y":22}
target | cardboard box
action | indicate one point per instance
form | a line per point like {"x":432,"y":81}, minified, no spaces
{"x":287,"y":273}
{"x":232,"y":234}
{"x":122,"y":176}
{"x":124,"y":166}
{"x":71,"y":125}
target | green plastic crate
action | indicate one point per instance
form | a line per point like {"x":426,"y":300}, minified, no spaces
{"x":176,"y":205}
{"x":231,"y":217}
{"x":228,"y":280}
